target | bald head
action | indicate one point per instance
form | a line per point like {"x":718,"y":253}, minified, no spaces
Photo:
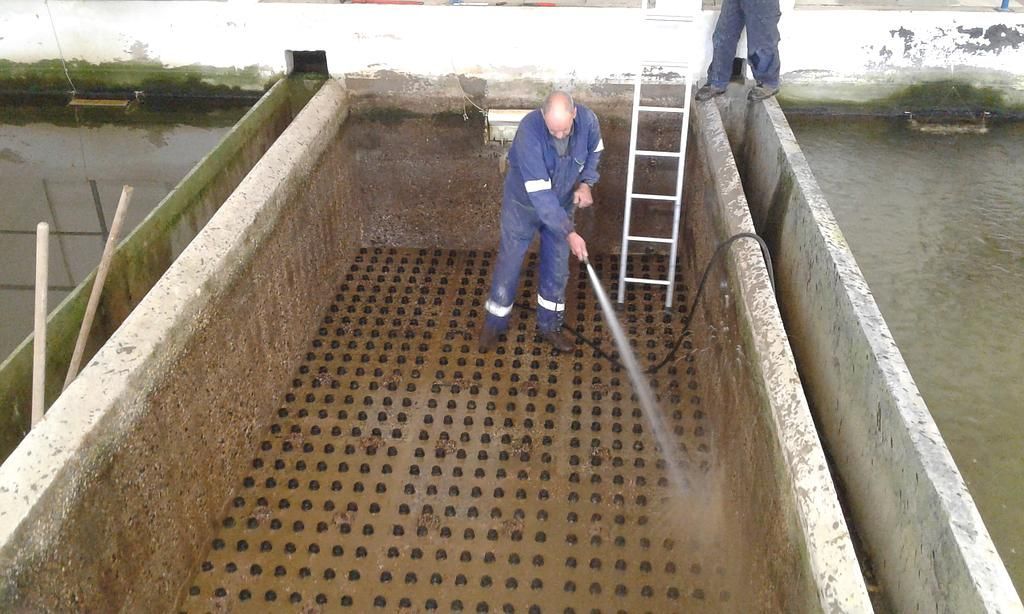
{"x":559,"y":112}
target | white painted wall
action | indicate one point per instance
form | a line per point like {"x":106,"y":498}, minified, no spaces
{"x":564,"y":45}
{"x":488,"y":42}
{"x":822,"y":48}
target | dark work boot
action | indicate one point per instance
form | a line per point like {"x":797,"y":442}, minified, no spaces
{"x":708,"y":91}
{"x":762,"y":92}
{"x":488,"y":338}
{"x":560,"y":340}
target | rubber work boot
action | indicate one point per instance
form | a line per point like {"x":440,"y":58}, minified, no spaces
{"x":762,"y":92}
{"x":708,"y":91}
{"x":561,"y":341}
{"x":488,"y":338}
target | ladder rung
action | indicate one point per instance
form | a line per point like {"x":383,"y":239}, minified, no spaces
{"x":649,"y":239}
{"x":662,"y":109}
{"x":644,"y":280}
{"x":654,"y":196}
{"x":97,"y":102}
{"x":660,"y":154}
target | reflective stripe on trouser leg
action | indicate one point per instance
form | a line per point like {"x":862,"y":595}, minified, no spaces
{"x":517,"y":227}
{"x":554,"y":272}
{"x":497,"y":310}
{"x":496,"y":317}
{"x":550,"y":305}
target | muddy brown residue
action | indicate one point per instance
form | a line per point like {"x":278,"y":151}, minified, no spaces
{"x":370,"y":443}
{"x":598,"y":531}
{"x":526,"y":386}
{"x":446,"y":446}
{"x":521,"y":446}
{"x":512,"y":526}
{"x":428,"y":521}
{"x":221,"y":605}
{"x":461,"y":383}
{"x":261,"y":514}
{"x":296,"y":438}
{"x":347,"y":517}
{"x":465,"y":335}
{"x":311,"y":607}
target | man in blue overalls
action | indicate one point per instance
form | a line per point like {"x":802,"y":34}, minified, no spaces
{"x":761,"y":18}
{"x":552,"y":167}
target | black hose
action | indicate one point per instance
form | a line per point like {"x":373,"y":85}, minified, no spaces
{"x":688,"y":318}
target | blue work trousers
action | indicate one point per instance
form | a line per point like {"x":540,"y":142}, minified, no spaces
{"x":761,"y":18}
{"x":519,"y":224}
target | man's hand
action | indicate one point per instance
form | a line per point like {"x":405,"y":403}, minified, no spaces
{"x":582,"y":197}
{"x":577,"y":246}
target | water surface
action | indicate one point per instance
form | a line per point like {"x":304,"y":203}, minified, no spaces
{"x":47,"y":159}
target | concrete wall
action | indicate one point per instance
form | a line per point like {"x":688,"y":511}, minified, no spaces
{"x":108,"y":502}
{"x":779,"y":491}
{"x":145,"y":254}
{"x":928,"y":545}
{"x":447,"y":190}
{"x":827,"y":54}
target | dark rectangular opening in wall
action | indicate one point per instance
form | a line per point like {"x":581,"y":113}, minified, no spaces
{"x":307,"y":62}
{"x":737,"y":69}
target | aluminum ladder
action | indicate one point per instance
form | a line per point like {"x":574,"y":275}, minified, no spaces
{"x":679,"y":16}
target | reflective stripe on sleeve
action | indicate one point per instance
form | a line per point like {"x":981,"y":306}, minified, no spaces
{"x":536,"y":185}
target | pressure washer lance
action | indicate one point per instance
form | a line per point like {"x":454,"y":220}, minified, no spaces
{"x":640,"y":384}
{"x":629,"y":362}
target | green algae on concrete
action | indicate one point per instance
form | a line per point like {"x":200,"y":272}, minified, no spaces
{"x":153,"y":78}
{"x":949,"y":95}
{"x":201,"y":113}
{"x":145,"y":254}
{"x":942,"y":95}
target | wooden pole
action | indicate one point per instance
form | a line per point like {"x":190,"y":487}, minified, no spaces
{"x":97,"y":284}
{"x":39,"y":336}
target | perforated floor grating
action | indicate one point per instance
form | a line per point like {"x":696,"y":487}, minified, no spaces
{"x":407,"y":472}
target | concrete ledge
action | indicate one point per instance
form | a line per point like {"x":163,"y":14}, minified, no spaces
{"x":107,"y":503}
{"x":784,"y":459}
{"x":841,"y":54}
{"x":145,"y":254}
{"x":928,"y":544}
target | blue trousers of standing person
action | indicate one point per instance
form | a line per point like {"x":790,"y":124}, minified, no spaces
{"x":761,"y":18}
{"x":519,"y":225}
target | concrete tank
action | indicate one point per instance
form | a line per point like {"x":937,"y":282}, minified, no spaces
{"x":296,"y":415}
